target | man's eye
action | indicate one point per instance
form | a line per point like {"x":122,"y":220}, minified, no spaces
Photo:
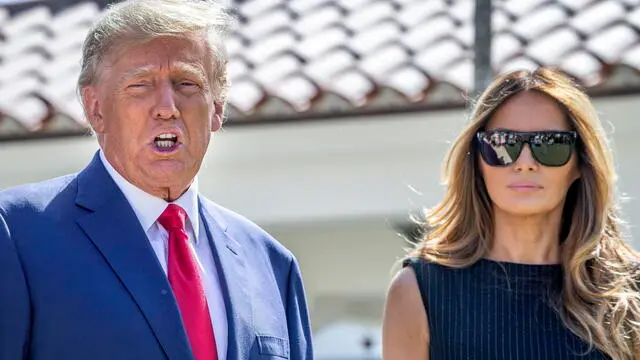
{"x":188,"y":84}
{"x":137,"y":85}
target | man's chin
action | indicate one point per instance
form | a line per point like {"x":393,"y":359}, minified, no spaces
{"x":164,"y":170}
{"x":168,"y":171}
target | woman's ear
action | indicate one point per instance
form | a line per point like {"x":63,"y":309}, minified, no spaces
{"x":576,"y":174}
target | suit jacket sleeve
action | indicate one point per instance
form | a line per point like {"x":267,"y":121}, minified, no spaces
{"x":298,"y":317}
{"x":14,"y":298}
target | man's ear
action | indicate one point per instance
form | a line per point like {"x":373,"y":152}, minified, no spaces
{"x":92,"y":111}
{"x":218,"y":116}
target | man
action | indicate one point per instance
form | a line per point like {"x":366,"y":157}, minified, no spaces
{"x":125,"y":260}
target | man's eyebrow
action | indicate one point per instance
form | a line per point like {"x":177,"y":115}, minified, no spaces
{"x":189,"y":69}
{"x":181,"y":69}
{"x":137,"y":72}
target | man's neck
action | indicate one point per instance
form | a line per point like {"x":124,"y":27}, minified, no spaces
{"x":167,"y":193}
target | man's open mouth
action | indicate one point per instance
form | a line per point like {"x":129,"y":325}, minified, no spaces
{"x":166,"y":142}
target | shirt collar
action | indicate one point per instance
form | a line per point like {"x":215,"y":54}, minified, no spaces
{"x":148,"y":207}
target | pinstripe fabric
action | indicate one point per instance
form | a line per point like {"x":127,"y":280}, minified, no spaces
{"x":496,"y":310}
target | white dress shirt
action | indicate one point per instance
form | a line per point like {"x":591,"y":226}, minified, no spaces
{"x":147,"y":209}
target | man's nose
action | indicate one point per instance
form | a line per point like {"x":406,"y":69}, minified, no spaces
{"x":165,"y":107}
{"x":526,"y":161}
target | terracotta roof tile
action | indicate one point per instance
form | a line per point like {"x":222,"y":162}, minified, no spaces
{"x":418,"y":12}
{"x":325,"y":67}
{"x":353,"y":86}
{"x":505,"y":46}
{"x":597,"y":16}
{"x":380,"y":63}
{"x":500,"y":21}
{"x":311,"y":23}
{"x":405,"y":2}
{"x":273,"y":71}
{"x":352,"y":5}
{"x":435,"y":58}
{"x":315,"y":58}
{"x":540,"y":21}
{"x":37,"y":18}
{"x":428,"y":32}
{"x":370,"y":15}
{"x":465,"y":34}
{"x":373,"y":37}
{"x":317,"y":44}
{"x":297,"y":90}
{"x":584,"y":66}
{"x":462,"y":11}
{"x":610,"y":44}
{"x":245,"y":95}
{"x":82,"y":14}
{"x":460,"y":73}
{"x":237,"y":68}
{"x":520,"y":8}
{"x":551,"y":47}
{"x":518,"y":63}
{"x":275,"y":44}
{"x":254,"y":8}
{"x":633,"y":18}
{"x":265,"y":24}
{"x":303,"y":6}
{"x":631,"y":57}
{"x":235,"y":45}
{"x":409,"y":81}
{"x":575,"y":5}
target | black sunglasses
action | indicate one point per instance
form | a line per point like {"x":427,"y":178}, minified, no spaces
{"x":503,"y":147}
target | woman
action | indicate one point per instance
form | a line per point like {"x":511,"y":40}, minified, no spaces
{"x":524,"y":258}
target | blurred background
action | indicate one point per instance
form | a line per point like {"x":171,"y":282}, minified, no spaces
{"x":340,"y":114}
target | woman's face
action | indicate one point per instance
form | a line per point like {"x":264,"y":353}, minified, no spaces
{"x":525,"y":186}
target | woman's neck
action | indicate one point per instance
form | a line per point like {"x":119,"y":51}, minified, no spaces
{"x":531,"y":239}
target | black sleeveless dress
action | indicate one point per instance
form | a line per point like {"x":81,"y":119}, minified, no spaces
{"x":496,"y":310}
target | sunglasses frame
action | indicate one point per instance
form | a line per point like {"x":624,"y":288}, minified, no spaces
{"x":525,"y":137}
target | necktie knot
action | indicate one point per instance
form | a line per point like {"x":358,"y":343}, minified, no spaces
{"x":173,"y":218}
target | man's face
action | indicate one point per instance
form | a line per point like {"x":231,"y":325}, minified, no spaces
{"x":153,"y":110}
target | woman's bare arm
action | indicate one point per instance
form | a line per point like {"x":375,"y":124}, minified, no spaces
{"x":405,"y":331}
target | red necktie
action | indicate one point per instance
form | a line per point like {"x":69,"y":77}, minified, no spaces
{"x":185,"y":281}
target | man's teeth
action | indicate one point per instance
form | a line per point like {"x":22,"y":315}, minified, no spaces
{"x":165,"y":143}
{"x":166,"y":140}
{"x":166,"y":137}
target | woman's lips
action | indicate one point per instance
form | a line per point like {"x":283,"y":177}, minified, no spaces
{"x":525,"y":186}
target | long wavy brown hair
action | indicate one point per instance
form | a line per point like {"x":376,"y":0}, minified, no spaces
{"x":600,"y":295}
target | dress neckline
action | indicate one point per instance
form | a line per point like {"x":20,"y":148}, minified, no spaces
{"x":521,"y":277}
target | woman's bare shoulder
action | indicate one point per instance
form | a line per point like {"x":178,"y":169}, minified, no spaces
{"x":405,"y":330}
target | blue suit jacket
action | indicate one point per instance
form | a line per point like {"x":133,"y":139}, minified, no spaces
{"x":79,"y":279}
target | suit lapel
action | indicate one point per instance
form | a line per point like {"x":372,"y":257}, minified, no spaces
{"x":230,"y":262}
{"x":113,"y":228}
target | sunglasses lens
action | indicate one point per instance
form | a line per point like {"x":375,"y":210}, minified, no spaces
{"x":496,"y":151}
{"x":556,"y":154}
{"x":502,"y":148}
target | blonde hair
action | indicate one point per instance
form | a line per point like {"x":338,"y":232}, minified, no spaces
{"x":600,"y":293}
{"x":144,"y":20}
